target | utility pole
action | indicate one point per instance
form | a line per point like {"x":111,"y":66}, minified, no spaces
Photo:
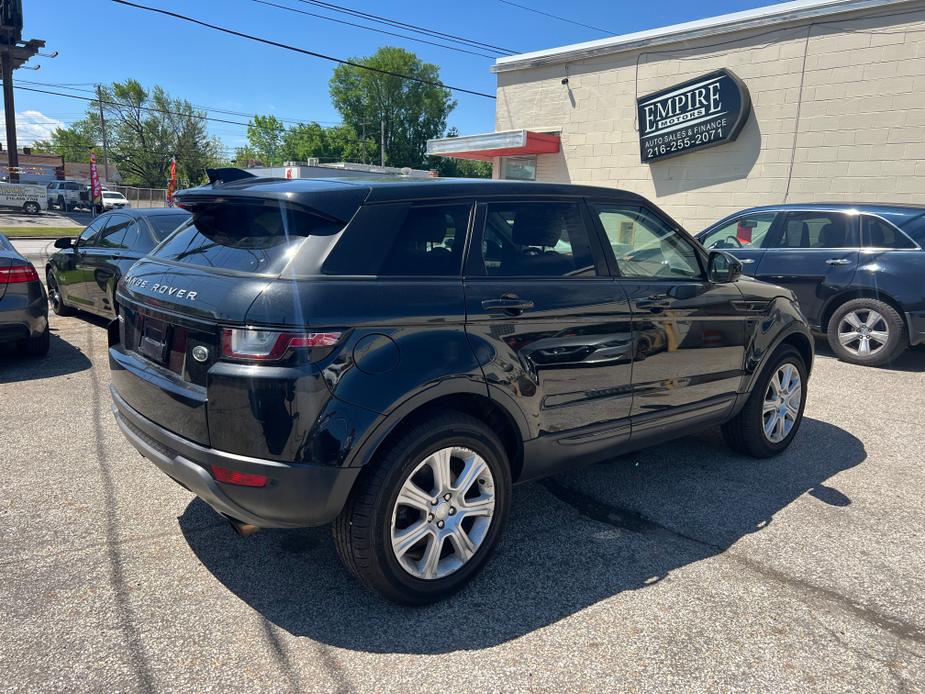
{"x":382,"y":142}
{"x":14,"y":52}
{"x":99,"y":99}
{"x":9,"y":110}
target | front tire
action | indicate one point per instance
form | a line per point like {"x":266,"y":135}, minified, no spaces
{"x":771,"y":417}
{"x":31,"y":208}
{"x":426,"y":515}
{"x":866,"y":332}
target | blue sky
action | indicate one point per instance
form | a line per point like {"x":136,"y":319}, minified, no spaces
{"x":100,"y":41}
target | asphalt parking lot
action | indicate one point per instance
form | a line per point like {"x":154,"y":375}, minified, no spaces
{"x":683,"y":567}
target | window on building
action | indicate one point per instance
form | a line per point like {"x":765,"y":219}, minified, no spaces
{"x":518,"y":168}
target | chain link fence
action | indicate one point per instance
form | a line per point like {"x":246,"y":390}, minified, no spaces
{"x":142,"y":197}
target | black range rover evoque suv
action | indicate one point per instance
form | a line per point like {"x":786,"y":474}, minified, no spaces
{"x":391,"y":356}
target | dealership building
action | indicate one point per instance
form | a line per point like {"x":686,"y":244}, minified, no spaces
{"x":806,"y":101}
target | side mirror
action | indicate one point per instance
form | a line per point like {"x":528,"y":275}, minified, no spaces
{"x":64,"y":243}
{"x":723,"y":268}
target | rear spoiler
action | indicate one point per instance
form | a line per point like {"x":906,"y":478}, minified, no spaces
{"x":227,"y":174}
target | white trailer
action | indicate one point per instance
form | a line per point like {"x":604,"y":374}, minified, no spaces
{"x":29,"y":198}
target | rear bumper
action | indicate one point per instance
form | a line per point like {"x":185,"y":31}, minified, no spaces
{"x":916,"y":322}
{"x":296,"y":495}
{"x":23,"y":314}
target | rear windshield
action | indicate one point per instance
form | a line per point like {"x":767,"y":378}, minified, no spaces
{"x":246,"y":237}
{"x":4,"y":244}
{"x":163,"y":224}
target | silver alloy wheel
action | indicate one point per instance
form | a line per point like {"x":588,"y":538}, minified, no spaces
{"x":782,"y":403}
{"x":54,"y":293}
{"x":443,"y":513}
{"x":865,"y":336}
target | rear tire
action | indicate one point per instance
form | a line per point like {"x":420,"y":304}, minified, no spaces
{"x":867,"y":332}
{"x":31,"y":208}
{"x":55,"y":297}
{"x":424,"y":550}
{"x":770,"y":407}
{"x":36,"y":346}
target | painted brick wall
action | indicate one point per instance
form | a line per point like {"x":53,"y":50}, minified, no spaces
{"x":848,"y":127}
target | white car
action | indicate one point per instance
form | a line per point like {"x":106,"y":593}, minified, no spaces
{"x":114,"y":201}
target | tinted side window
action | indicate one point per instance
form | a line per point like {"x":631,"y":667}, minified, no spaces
{"x":880,"y":234}
{"x":246,"y":237}
{"x":137,"y":237}
{"x":402,"y":239}
{"x":535,"y":239}
{"x":749,"y":231}
{"x":87,"y":234}
{"x":817,"y":230}
{"x":114,"y":233}
{"x":645,"y":246}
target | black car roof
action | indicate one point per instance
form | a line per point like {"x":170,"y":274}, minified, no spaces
{"x":391,"y":189}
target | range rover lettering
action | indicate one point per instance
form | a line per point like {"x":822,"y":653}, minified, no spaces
{"x":391,"y":356}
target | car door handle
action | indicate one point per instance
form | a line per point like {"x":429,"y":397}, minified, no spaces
{"x":746,"y":261}
{"x":652,"y":305}
{"x":837,"y":261}
{"x":510,"y":305}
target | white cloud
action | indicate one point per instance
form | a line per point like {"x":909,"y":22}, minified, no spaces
{"x":30,"y":126}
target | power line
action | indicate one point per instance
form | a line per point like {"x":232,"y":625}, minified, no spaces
{"x":561,"y":19}
{"x":215,"y":109}
{"x":140,"y":108}
{"x":303,"y":51}
{"x":379,"y":31}
{"x":404,"y":25}
{"x":354,"y":139}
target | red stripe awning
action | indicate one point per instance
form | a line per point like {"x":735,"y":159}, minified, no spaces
{"x":485,"y":147}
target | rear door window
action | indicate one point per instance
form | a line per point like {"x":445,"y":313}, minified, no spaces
{"x":246,"y":237}
{"x":535,"y":239}
{"x":817,"y":230}
{"x":402,"y":240}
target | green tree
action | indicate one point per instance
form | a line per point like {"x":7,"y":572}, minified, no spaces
{"x":339,"y":143}
{"x":145,"y":129}
{"x":73,"y":143}
{"x":412,"y":112}
{"x":265,"y":139}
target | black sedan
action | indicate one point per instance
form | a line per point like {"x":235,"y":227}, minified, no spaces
{"x":856,"y":269}
{"x":23,"y":303}
{"x":84,"y":273}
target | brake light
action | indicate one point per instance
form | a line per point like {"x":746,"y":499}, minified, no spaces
{"x":15,"y":274}
{"x":270,"y":345}
{"x":243,"y":479}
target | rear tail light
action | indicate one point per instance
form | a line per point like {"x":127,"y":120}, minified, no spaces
{"x":15,"y":274}
{"x":270,"y":345}
{"x":243,"y":479}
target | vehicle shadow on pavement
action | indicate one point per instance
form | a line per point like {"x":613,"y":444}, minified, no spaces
{"x":63,"y":358}
{"x":571,"y":542}
{"x":912,"y":360}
